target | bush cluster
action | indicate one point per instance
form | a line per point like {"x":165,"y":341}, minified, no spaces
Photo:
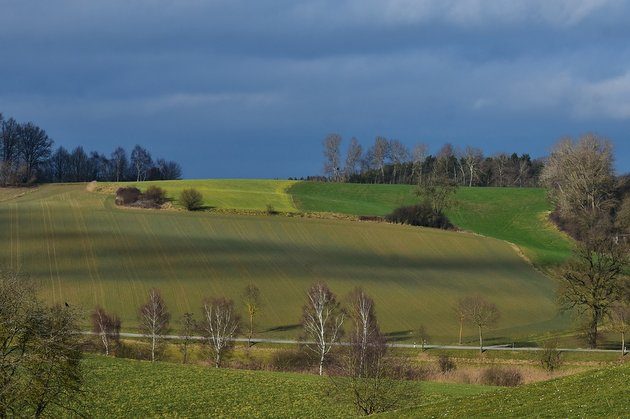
{"x":153,"y":197}
{"x":446,"y":364}
{"x":290,"y":360}
{"x":127,"y":196}
{"x":421,"y":215}
{"x":497,"y":376}
{"x":191,"y":199}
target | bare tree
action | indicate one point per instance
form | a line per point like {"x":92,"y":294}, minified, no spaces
{"x":592,"y":281}
{"x":480,"y":313}
{"x":353,"y":158}
{"x":438,"y":190}
{"x":34,"y":147}
{"x":418,"y":156}
{"x":379,"y":152}
{"x":141,"y":162}
{"x":251,"y":298}
{"x":398,"y":153}
{"x":40,"y":352}
{"x":189,"y":325}
{"x":220,"y":325}
{"x":372,"y":380}
{"x":9,"y":151}
{"x":119,"y":164}
{"x":500,"y":163}
{"x":154,"y":319}
{"x":460,"y":312}
{"x":424,"y":336}
{"x":332,"y":155}
{"x":620,"y":321}
{"x":580,"y":177}
{"x":322,"y":318}
{"x":472,"y":159}
{"x":365,"y":327}
{"x":107,"y":327}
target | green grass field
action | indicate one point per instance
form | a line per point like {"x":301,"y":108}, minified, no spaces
{"x":86,"y":251}
{"x":240,"y":194}
{"x":517,"y":215}
{"x":127,"y":388}
{"x":601,"y":393}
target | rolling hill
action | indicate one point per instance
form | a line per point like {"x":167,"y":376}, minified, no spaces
{"x":517,"y":215}
{"x":84,"y":250}
{"x":127,"y":388}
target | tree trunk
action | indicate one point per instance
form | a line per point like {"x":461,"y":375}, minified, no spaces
{"x":591,"y":334}
{"x":461,"y":329}
{"x":251,"y":330}
{"x":321,"y":364}
{"x":480,"y":341}
{"x":153,"y":348}
{"x":623,"y":344}
{"x":217,"y":360}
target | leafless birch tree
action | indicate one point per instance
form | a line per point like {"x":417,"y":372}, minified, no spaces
{"x":398,"y":153}
{"x":107,"y":328}
{"x":365,"y":331}
{"x":332,"y":155}
{"x":154,"y":319}
{"x":379,"y":152}
{"x":472,"y":160}
{"x":418,"y":156}
{"x":371,"y":379}
{"x":220,"y":326}
{"x":353,"y":158}
{"x":322,"y":319}
{"x":480,"y":313}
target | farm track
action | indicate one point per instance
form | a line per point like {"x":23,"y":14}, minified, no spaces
{"x":391,"y":345}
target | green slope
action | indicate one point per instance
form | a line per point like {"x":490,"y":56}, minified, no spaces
{"x":127,"y":388}
{"x":86,"y":251}
{"x":601,"y":393}
{"x":517,"y":215}
{"x":241,"y":194}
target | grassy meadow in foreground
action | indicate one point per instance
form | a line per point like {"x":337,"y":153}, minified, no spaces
{"x":128,"y":388}
{"x":86,"y":251}
{"x":599,"y":393}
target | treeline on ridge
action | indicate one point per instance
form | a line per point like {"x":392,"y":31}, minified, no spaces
{"x":391,"y":161}
{"x":27,"y":157}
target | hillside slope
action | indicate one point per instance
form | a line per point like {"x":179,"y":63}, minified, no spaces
{"x":127,"y":388}
{"x":85,"y":251}
{"x":518,"y":215}
{"x":600,"y":393}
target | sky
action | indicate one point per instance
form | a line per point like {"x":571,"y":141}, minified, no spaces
{"x":237,"y":89}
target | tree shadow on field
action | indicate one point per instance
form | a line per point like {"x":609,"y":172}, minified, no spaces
{"x":283,"y":328}
{"x":398,"y":335}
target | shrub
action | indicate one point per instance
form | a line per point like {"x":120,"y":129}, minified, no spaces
{"x":497,"y":376}
{"x":191,"y":199}
{"x":550,"y":356}
{"x":271,"y":210}
{"x":155,"y":195}
{"x":419,"y":215}
{"x":127,"y":196}
{"x":446,"y":364}
{"x":290,"y":360}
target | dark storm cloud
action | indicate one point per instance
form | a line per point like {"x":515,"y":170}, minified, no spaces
{"x":251,"y":88}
